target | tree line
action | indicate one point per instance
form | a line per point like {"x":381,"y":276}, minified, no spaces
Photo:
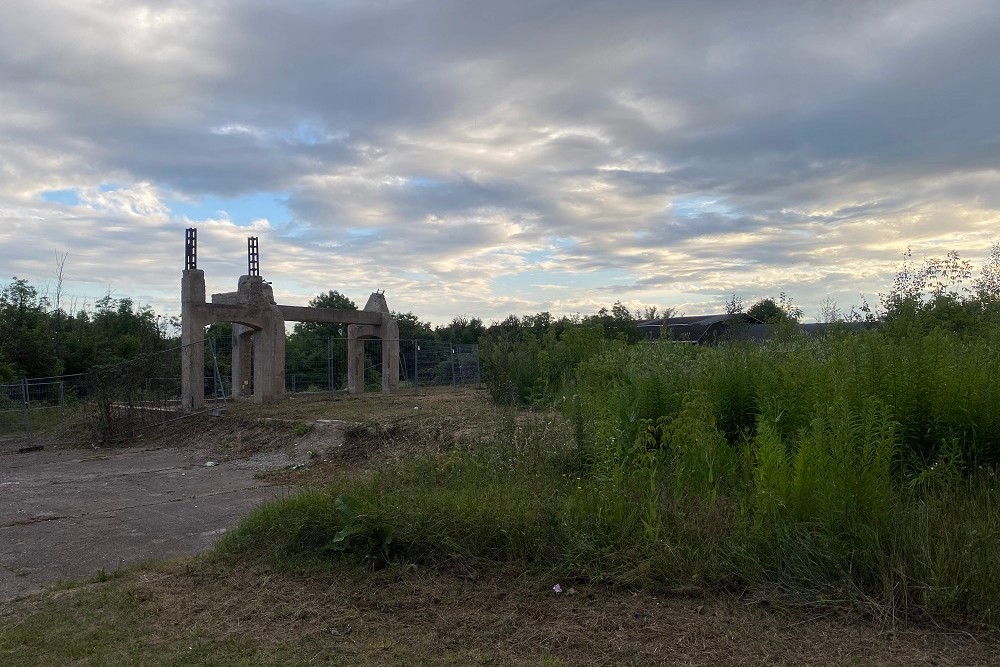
{"x":42,"y":339}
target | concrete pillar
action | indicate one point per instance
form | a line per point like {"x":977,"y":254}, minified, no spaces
{"x":390,"y":355}
{"x":269,"y":359}
{"x":242,"y":364}
{"x":278,"y":352}
{"x":192,"y":340}
{"x":355,"y":359}
{"x":263,"y":366}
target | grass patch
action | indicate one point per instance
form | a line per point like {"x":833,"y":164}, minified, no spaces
{"x":201,"y":613}
{"x":672,"y":472}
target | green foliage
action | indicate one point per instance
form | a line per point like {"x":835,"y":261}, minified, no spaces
{"x":461,"y":330}
{"x":531,"y":359}
{"x":770,"y":311}
{"x":411,"y":328}
{"x":856,"y":467}
{"x":26,"y":344}
{"x":39,"y":341}
{"x":308,"y":346}
{"x":642,"y":486}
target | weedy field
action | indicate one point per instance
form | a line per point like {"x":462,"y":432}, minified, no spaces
{"x":736,"y":505}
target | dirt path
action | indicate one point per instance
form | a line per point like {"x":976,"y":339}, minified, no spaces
{"x":68,"y":514}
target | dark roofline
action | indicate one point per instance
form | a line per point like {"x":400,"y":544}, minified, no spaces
{"x":698,"y":319}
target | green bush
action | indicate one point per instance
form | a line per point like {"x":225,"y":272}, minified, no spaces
{"x":855,"y":469}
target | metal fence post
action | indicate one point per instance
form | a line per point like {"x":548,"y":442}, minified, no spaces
{"x":62,"y":398}
{"x":27,"y":407}
{"x":329,"y":364}
{"x":416,"y":364}
{"x":220,"y":388}
{"x":453,"y":367}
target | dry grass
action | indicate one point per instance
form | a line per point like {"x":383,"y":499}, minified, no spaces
{"x":201,"y":612}
{"x":404,"y":617}
{"x":442,"y":402}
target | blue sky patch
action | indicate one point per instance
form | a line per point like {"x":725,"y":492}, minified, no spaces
{"x":65,"y":197}
{"x":241,"y":210}
{"x":694,"y":206}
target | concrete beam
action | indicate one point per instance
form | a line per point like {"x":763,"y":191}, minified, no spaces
{"x":210,"y":313}
{"x":329,"y":315}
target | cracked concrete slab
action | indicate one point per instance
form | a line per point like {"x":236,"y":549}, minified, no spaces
{"x":68,"y":514}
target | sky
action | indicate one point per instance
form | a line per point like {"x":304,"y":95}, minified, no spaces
{"x":481,"y":159}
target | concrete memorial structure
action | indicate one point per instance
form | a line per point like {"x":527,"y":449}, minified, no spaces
{"x":259,"y":333}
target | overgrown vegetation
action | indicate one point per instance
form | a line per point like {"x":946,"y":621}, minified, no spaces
{"x":857,"y":468}
{"x":41,"y":338}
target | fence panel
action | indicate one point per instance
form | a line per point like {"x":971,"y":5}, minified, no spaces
{"x":112,"y":404}
{"x":422,"y":363}
{"x":108,"y":405}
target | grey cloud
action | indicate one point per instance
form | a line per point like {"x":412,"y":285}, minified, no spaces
{"x":580,"y":121}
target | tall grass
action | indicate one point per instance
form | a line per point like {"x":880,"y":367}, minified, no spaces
{"x":855,"y":469}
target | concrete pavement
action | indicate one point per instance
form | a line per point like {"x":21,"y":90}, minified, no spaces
{"x":68,"y":514}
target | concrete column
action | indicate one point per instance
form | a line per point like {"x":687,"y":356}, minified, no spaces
{"x":390,"y":355}
{"x":269,"y":359}
{"x":263,"y":367}
{"x":278,"y":352}
{"x":242,"y":364}
{"x":355,"y":360}
{"x":192,"y":340}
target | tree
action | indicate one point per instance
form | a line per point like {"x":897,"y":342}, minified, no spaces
{"x":770,"y":311}
{"x":829,"y":312}
{"x":618,"y":323}
{"x":308,"y":346}
{"x":331,"y":299}
{"x":767,"y":311}
{"x":735,"y":305}
{"x":461,"y":330}
{"x":987,"y":285}
{"x":411,"y":328}
{"x":935,"y":295}
{"x":27,"y":342}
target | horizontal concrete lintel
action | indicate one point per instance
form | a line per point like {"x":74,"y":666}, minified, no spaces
{"x":208,"y":313}
{"x":329,"y":315}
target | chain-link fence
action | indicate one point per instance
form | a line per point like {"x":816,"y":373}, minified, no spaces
{"x":105,"y":406}
{"x":112,"y":404}
{"x":31,"y":409}
{"x":422,"y":363}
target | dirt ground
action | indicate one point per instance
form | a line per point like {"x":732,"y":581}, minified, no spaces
{"x":74,"y":513}
{"x":70,"y":513}
{"x":454,"y":618}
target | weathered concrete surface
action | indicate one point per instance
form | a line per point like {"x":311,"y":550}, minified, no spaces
{"x":68,"y":514}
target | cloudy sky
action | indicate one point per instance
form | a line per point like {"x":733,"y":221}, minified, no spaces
{"x":484,"y":158}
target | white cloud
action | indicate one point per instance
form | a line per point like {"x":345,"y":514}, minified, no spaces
{"x":520,"y":155}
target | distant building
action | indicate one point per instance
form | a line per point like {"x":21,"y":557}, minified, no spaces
{"x":696,"y":329}
{"x":708,"y":329}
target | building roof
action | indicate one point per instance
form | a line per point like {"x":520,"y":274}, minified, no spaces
{"x":694,"y":328}
{"x":705,"y":328}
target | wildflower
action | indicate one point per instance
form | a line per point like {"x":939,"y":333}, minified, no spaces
{"x":557,"y":589}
